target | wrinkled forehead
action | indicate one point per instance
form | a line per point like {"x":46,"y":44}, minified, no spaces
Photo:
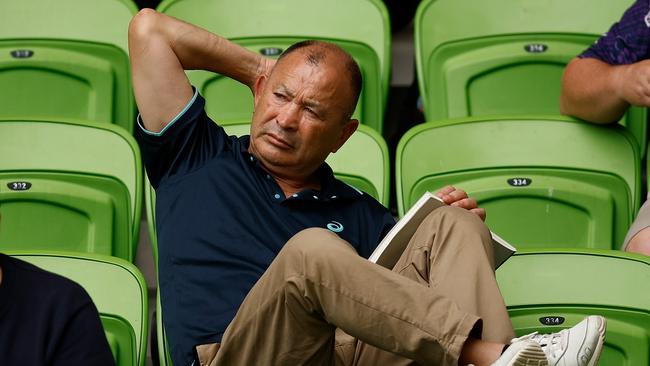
{"x":312,"y":67}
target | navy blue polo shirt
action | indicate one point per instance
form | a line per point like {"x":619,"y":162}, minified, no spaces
{"x":221,"y":219}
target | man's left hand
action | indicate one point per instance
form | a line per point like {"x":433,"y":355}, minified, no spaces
{"x":457,"y":197}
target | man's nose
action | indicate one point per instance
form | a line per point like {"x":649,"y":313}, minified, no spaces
{"x":289,"y":116}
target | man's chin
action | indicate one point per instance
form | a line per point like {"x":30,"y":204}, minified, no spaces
{"x":276,"y":157}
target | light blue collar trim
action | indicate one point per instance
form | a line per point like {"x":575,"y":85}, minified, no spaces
{"x":179,"y":115}
{"x":358,"y":191}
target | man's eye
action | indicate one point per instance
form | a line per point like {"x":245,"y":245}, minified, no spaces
{"x":280,"y":96}
{"x":311,"y":112}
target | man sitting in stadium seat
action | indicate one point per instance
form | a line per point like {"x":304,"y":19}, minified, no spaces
{"x":601,"y":83}
{"x":247,"y":274}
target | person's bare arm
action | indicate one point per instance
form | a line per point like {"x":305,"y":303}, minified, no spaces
{"x":599,"y":92}
{"x":162,"y":47}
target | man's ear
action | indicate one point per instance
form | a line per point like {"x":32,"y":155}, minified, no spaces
{"x":258,"y":88}
{"x":348,"y":130}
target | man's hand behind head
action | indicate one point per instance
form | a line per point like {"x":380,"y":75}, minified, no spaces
{"x":264,"y":69}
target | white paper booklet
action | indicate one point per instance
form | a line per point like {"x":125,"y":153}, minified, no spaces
{"x":392,"y":246}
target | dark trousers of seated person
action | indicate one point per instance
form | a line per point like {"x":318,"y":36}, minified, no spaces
{"x":319,"y":303}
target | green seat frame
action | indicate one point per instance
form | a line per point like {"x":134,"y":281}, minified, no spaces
{"x":66,"y":60}
{"x":544,"y":182}
{"x":550,"y":290}
{"x":118,"y":290}
{"x":269,"y":27}
{"x":69,"y":186}
{"x":506,"y":57}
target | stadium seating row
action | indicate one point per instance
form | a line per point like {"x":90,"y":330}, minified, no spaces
{"x":546,"y":183}
{"x":489,"y":76}
{"x":545,"y":302}
{"x":501,"y":58}
{"x":78,"y":187}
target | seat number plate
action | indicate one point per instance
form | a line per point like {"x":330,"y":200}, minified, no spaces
{"x":19,"y":186}
{"x":520,"y":182}
{"x":551,"y":320}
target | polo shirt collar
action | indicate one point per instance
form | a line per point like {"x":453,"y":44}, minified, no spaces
{"x":332,"y":189}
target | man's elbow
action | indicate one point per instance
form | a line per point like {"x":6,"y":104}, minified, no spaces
{"x":587,"y":112}
{"x":568,"y":106}
{"x":143,"y":25}
{"x":565,"y":106}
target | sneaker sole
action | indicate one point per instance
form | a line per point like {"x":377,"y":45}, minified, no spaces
{"x":531,"y":355}
{"x":601,"y":341}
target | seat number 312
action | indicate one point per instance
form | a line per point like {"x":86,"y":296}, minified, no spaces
{"x":19,"y":186}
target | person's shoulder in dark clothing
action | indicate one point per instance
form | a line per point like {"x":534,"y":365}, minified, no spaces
{"x":47,"y":319}
{"x":627,"y":41}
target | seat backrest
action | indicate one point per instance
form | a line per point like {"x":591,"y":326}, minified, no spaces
{"x":118,"y":290}
{"x":544,"y":182}
{"x":269,"y":27}
{"x":550,"y":290}
{"x":506,"y":57}
{"x":67,"y":186}
{"x":66,"y":59}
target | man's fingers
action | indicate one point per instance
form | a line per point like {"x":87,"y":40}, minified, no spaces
{"x":454,"y":196}
{"x":480,"y":212}
{"x":466,"y":203}
{"x":445,"y":191}
{"x":458,"y":198}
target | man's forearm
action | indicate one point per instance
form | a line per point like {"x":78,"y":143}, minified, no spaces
{"x":198,"y":49}
{"x":162,"y":47}
{"x":590,"y":91}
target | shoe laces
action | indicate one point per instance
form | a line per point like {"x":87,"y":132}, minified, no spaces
{"x":553,"y":344}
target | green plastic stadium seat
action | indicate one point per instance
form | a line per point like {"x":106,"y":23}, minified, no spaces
{"x":545,"y":182}
{"x":118,"y":290}
{"x":268,"y":27}
{"x":66,"y":59}
{"x":362,"y":162}
{"x":506,"y":57}
{"x":67,"y":186}
{"x":554,"y":289}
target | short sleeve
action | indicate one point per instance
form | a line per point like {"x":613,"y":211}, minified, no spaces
{"x":187,"y":143}
{"x":627,"y":41}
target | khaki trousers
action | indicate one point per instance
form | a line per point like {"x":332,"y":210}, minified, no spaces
{"x":319,"y":303}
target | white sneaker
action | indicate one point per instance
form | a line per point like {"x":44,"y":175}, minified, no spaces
{"x":577,"y":346}
{"x":523,"y":353}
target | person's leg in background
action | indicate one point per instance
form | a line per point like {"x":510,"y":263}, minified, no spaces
{"x":637,"y":239}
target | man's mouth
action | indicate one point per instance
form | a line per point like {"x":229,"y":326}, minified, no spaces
{"x":278,"y":141}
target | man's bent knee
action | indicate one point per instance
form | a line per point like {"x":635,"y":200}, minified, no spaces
{"x":447,"y":220}
{"x":314,"y":243}
{"x":457,"y":216}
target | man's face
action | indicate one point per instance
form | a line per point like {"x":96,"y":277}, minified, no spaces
{"x":300,"y":115}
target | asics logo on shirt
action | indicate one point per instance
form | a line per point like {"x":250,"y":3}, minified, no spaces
{"x":335,"y":226}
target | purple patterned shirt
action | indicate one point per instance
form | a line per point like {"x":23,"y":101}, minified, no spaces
{"x":628,"y":40}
